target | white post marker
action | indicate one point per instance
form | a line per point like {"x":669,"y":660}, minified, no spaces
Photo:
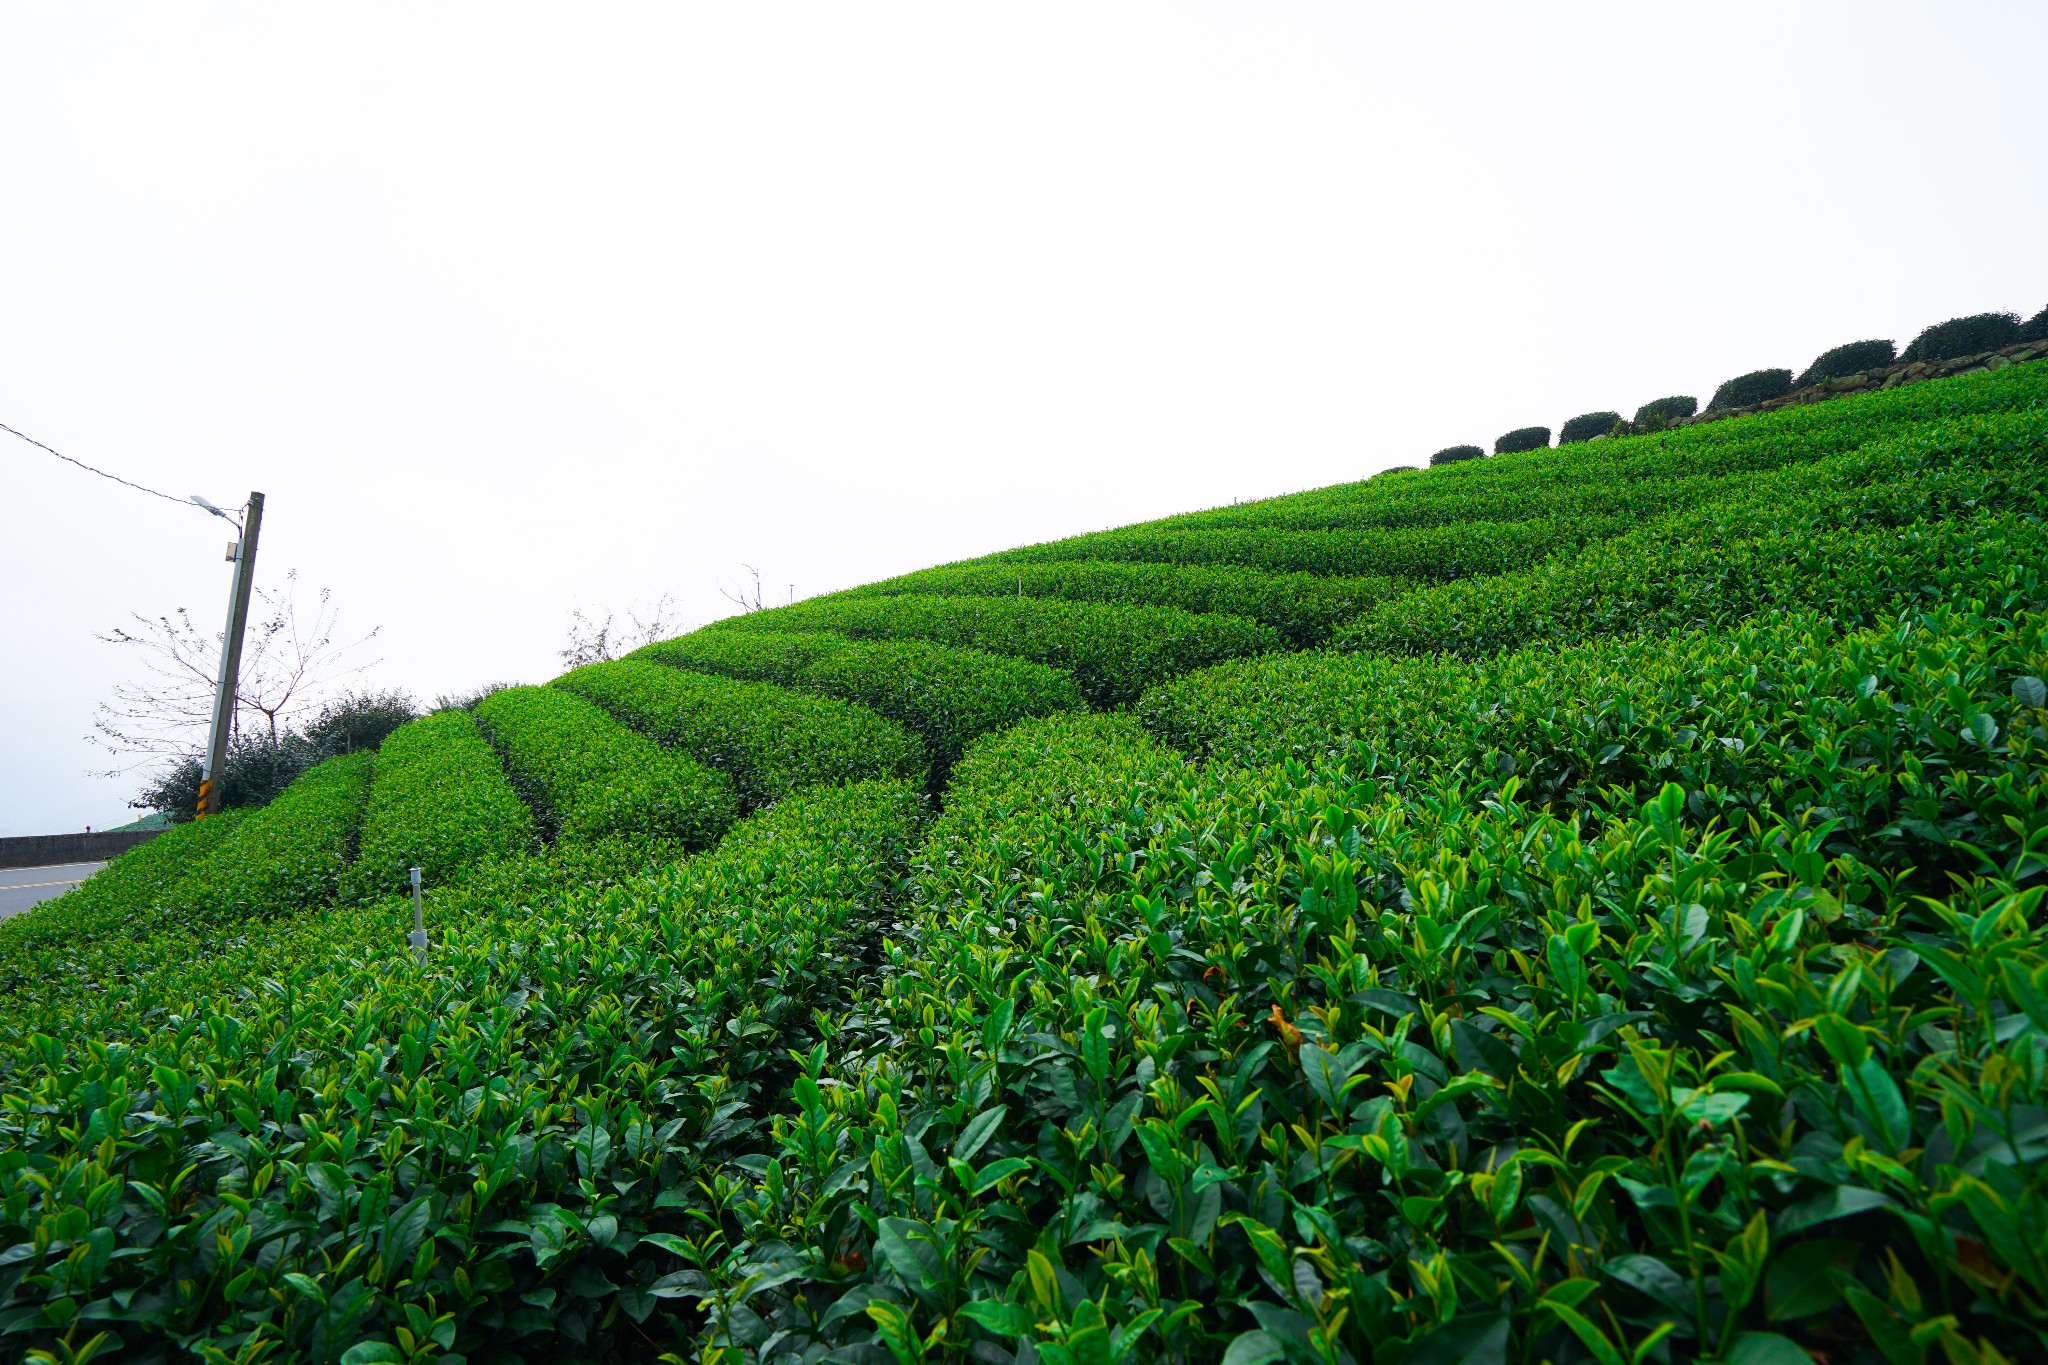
{"x":418,"y":938}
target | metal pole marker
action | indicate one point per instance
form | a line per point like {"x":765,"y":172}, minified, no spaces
{"x":418,"y":937}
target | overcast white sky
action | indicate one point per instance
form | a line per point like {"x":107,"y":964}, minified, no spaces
{"x":510,"y":308}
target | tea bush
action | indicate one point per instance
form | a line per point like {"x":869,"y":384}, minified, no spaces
{"x":1303,"y":607}
{"x":1453,"y":454}
{"x":1747,"y":390}
{"x":1114,"y":652}
{"x":440,"y":802}
{"x":1521,"y":439}
{"x":1575,"y":485}
{"x":1458,"y":550}
{"x":771,"y":741}
{"x":1238,"y":1064}
{"x":209,"y":883}
{"x":345,"y":1149}
{"x":163,"y":955}
{"x":1849,"y":535}
{"x":287,"y":856}
{"x":1858,"y":357}
{"x":946,"y":696}
{"x":1779,"y":719}
{"x":593,"y":778}
{"x":1859,"y":574}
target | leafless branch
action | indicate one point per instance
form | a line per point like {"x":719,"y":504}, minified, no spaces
{"x":289,"y":665}
{"x":747,"y":597}
{"x":594,"y":641}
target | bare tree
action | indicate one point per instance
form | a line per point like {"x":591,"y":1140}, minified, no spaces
{"x":747,"y":596}
{"x":288,"y":666}
{"x":597,"y":641}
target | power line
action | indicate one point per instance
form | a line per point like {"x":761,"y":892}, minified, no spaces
{"x":182,"y":502}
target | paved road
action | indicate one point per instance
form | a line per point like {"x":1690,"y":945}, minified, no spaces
{"x":21,"y":887}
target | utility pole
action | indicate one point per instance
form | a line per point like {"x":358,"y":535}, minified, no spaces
{"x":242,"y":552}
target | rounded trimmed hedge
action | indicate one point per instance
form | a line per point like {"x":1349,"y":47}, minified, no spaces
{"x":1854,"y":358}
{"x":1586,"y":426}
{"x":1453,"y":454}
{"x":1665,"y":412}
{"x":1747,"y":390}
{"x":1521,"y":439}
{"x":1965,"y":336}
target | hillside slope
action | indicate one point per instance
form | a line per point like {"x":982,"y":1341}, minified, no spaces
{"x":1583,"y":904}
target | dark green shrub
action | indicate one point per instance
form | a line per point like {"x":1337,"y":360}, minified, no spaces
{"x":256,"y":769}
{"x":1664,"y":412}
{"x":1747,"y":390}
{"x":593,"y":779}
{"x":1586,"y":426}
{"x":1521,"y":439}
{"x":359,"y":720}
{"x":1858,"y":357}
{"x":1965,"y":336}
{"x":469,"y":698}
{"x":260,"y":765}
{"x":1452,"y":455}
{"x":2035,"y":328}
{"x":440,"y":802}
{"x":773,"y":742}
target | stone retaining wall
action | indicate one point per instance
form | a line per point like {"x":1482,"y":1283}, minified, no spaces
{"x":1885,"y":377}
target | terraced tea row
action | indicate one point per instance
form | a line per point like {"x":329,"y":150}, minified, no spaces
{"x":1633,"y":476}
{"x":1114,"y":652}
{"x":946,"y":696}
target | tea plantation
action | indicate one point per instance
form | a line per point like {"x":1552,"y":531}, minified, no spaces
{"x":1578,"y":905}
